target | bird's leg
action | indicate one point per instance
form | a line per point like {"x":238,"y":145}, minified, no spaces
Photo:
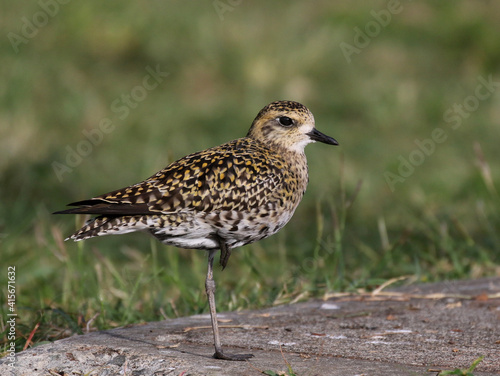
{"x":210,"y":289}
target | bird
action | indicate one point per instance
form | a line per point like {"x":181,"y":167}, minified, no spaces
{"x":220,"y":198}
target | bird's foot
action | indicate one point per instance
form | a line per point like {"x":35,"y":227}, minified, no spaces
{"x":225,"y":253}
{"x":237,"y":357}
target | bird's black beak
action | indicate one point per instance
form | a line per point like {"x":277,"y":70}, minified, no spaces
{"x":320,"y":137}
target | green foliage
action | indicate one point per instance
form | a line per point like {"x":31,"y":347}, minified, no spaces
{"x":290,"y":371}
{"x":73,"y":83}
{"x":463,"y":372}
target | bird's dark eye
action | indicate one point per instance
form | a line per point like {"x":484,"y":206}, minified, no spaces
{"x":285,"y":121}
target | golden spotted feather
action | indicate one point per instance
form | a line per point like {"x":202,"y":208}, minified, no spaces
{"x":240,"y":187}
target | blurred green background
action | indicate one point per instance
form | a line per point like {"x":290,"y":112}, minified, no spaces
{"x":377,"y":76}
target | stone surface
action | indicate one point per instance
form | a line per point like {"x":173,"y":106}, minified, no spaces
{"x":407,"y":331}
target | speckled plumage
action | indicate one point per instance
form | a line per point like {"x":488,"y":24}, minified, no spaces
{"x":220,"y":198}
{"x":241,"y":191}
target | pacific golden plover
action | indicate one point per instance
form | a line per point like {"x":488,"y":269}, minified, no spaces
{"x":220,"y":198}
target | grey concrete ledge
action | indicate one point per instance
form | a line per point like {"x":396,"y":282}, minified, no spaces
{"x":406,"y":331}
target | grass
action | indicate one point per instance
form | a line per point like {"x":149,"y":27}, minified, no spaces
{"x":463,"y":372}
{"x":439,"y":223}
{"x":288,"y":366}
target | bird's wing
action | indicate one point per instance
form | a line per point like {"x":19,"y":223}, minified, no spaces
{"x":240,"y":175}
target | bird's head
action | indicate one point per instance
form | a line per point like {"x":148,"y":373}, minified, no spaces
{"x":288,"y":125}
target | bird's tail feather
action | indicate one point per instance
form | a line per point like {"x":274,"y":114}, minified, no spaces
{"x":109,"y":226}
